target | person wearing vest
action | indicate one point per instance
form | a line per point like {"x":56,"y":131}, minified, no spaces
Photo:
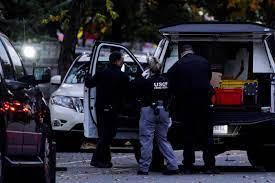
{"x":154,"y":119}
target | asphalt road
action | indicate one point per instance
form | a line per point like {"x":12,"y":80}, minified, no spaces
{"x":234,"y":167}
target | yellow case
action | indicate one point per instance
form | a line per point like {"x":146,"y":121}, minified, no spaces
{"x":235,"y":83}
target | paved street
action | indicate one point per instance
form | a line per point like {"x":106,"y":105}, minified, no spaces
{"x":234,"y":167}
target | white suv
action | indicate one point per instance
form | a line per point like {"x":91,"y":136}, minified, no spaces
{"x":66,"y":104}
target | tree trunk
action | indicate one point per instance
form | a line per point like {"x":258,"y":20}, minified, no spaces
{"x":116,"y":23}
{"x":67,"y":52}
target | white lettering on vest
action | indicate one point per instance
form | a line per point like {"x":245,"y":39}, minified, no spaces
{"x":160,"y":85}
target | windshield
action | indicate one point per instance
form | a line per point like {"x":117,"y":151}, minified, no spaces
{"x":77,"y":73}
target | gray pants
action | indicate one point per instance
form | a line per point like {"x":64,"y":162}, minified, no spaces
{"x":157,"y":126}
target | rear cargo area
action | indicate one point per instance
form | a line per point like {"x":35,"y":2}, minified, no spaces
{"x":241,"y":95}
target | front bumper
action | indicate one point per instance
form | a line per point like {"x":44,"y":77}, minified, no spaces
{"x":65,"y":119}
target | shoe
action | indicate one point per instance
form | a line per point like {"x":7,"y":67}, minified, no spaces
{"x":157,"y":168}
{"x":170,"y":172}
{"x":142,"y":173}
{"x":101,"y":165}
{"x":188,"y":171}
{"x":212,"y":171}
{"x":260,"y":169}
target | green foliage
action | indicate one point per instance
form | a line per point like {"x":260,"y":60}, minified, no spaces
{"x":238,"y":10}
{"x":110,"y":9}
{"x":138,"y":19}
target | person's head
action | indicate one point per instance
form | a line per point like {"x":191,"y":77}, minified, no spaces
{"x":154,"y":65}
{"x":116,"y":58}
{"x":186,"y":49}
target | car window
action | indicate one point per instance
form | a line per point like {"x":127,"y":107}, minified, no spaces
{"x":130,"y":66}
{"x":171,"y":57}
{"x":6,"y":63}
{"x":16,"y":60}
{"x":77,"y":72}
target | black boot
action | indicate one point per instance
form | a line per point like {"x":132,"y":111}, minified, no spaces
{"x":170,"y":172}
{"x":142,"y":173}
{"x":211,"y":171}
{"x":101,"y":165}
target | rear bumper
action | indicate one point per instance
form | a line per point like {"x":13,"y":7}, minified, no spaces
{"x":20,"y":143}
{"x":32,"y":162}
{"x":242,"y":118}
{"x":244,"y":129}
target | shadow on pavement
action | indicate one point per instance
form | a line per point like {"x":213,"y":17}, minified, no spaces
{"x":231,"y":169}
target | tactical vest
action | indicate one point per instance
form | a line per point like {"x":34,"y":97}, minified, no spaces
{"x":159,"y":88}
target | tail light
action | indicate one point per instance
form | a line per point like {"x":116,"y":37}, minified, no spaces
{"x":15,"y":106}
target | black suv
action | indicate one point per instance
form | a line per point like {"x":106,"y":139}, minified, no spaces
{"x":26,"y":133}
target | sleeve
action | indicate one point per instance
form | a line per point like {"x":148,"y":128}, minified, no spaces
{"x":171,"y":74}
{"x":90,"y":81}
{"x":125,"y":83}
{"x":209,"y":72}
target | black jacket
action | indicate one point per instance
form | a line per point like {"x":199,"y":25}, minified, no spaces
{"x":191,"y":73}
{"x":112,"y":86}
{"x":152,"y":89}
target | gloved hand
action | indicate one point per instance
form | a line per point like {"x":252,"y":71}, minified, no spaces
{"x":89,"y":80}
{"x":146,"y":74}
{"x":170,"y":122}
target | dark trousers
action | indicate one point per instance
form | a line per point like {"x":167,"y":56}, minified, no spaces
{"x":193,"y":111}
{"x":107,"y":122}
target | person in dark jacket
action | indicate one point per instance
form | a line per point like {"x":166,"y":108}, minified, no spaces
{"x":111,"y":88}
{"x":154,"y":120}
{"x":190,"y":83}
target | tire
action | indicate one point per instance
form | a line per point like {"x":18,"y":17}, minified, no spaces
{"x":68,"y":143}
{"x":4,"y":171}
{"x":48,"y":171}
{"x":157,"y":163}
{"x":262,"y":157}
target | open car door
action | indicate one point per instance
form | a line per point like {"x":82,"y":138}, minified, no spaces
{"x":270,"y":50}
{"x":128,"y":118}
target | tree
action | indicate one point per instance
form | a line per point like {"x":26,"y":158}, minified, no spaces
{"x":68,"y":46}
{"x":239,"y":10}
{"x":23,"y":18}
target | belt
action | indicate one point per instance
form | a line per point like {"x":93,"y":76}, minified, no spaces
{"x":158,"y":103}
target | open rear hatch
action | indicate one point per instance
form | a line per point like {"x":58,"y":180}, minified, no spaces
{"x":242,"y":60}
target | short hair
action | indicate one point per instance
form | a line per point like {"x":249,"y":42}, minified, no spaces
{"x":116,"y":55}
{"x":187,"y":47}
{"x":154,"y":65}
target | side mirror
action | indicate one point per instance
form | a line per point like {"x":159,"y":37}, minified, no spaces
{"x":42,"y":74}
{"x":29,"y":80}
{"x":56,"y":80}
{"x":16,"y":85}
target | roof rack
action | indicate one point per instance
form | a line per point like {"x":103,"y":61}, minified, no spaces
{"x":216,"y":27}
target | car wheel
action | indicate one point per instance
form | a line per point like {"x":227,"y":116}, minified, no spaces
{"x":68,"y":143}
{"x":157,"y":163}
{"x":3,"y":173}
{"x":48,"y":171}
{"x":261,"y":157}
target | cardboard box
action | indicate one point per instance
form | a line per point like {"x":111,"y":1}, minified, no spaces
{"x":216,"y":79}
